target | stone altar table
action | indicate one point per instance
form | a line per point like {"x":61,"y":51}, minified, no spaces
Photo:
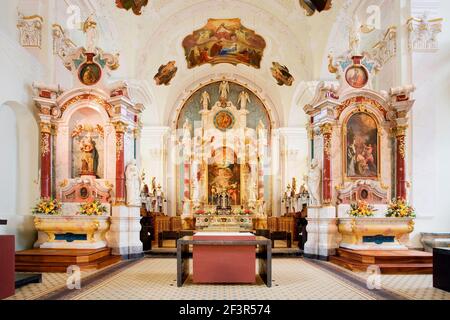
{"x":215,"y":253}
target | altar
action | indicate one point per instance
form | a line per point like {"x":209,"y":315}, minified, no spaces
{"x":224,"y":258}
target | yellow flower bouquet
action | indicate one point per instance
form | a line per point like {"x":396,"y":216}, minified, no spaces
{"x":361,"y":209}
{"x":399,"y":208}
{"x":50,"y":207}
{"x":93,"y":208}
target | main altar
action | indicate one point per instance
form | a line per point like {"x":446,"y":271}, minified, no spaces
{"x":223,"y":162}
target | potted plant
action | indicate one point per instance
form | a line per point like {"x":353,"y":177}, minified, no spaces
{"x":93,"y":208}
{"x":361,"y":209}
{"x":49,"y":207}
{"x":399,"y":208}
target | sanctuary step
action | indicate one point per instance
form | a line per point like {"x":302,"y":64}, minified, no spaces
{"x":58,"y":260}
{"x":389,"y":262}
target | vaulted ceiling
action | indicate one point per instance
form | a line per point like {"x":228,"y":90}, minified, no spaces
{"x":147,"y":41}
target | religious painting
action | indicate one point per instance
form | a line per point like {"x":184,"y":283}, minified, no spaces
{"x":166,"y":73}
{"x":90,"y":74}
{"x":87,"y":151}
{"x":361,"y":146}
{"x":135,"y":5}
{"x":357,"y":77}
{"x":224,"y":177}
{"x":224,"y":41}
{"x":281,"y":74}
{"x":224,"y":120}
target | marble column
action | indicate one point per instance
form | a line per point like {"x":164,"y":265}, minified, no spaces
{"x":326,"y":130}
{"x":120,"y":162}
{"x":400,"y":165}
{"x":46,"y":159}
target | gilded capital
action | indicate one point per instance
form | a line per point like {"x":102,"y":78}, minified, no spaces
{"x":46,"y":127}
{"x":121,"y":127}
{"x":326,"y":128}
{"x":401,"y":130}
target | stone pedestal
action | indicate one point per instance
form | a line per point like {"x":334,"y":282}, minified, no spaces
{"x":323,"y":235}
{"x":124,"y":234}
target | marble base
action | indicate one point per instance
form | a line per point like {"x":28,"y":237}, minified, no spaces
{"x":124,"y":234}
{"x":322,"y":231}
{"x":354,"y":231}
{"x":93,"y":228}
{"x":380,"y":247}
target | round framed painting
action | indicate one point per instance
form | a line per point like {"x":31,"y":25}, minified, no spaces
{"x":357,"y":77}
{"x":224,"y":120}
{"x":90,"y":74}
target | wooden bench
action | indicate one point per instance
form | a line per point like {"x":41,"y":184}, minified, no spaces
{"x":281,"y":235}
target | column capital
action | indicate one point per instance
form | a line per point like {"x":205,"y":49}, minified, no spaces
{"x":120,"y":126}
{"x":326,"y":128}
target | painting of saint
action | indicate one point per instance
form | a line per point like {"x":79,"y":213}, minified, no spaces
{"x":90,"y":74}
{"x":224,"y":178}
{"x":87,"y":148}
{"x":362,"y":146}
{"x":281,"y":74}
{"x":166,"y":73}
{"x":357,"y":77}
{"x":135,"y":5}
{"x":224,"y":41}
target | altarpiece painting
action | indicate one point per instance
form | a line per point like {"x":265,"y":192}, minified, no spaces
{"x":361,"y":145}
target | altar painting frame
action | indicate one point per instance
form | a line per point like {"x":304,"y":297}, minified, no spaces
{"x":241,"y":182}
{"x":345,"y":143}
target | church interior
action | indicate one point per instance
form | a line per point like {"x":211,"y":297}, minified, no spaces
{"x":224,"y":150}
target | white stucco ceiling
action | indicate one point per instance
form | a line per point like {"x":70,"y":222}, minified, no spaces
{"x":145,"y":42}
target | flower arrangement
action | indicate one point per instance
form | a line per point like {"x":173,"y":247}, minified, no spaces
{"x":93,"y":208}
{"x":200,"y":212}
{"x":399,"y":208}
{"x":49,"y":207}
{"x":361,"y":209}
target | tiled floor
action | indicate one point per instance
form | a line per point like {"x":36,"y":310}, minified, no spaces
{"x":294,"y":279}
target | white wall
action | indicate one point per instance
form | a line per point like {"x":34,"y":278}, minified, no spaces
{"x":20,"y":67}
{"x":430,"y":168}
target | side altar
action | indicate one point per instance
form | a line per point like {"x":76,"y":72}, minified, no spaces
{"x":89,"y":141}
{"x":357,"y":179}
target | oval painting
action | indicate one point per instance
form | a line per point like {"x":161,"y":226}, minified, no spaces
{"x":357,"y":77}
{"x":90,"y":74}
{"x":224,"y":120}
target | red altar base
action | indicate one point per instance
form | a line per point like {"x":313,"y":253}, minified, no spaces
{"x":224,"y":264}
{"x":7,"y":274}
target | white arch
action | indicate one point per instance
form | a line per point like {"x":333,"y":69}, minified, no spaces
{"x":175,"y":109}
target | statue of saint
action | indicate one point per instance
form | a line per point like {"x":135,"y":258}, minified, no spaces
{"x":224,"y":89}
{"x":244,"y":98}
{"x":205,"y":99}
{"x":186,"y":130}
{"x":89,"y":157}
{"x":355,"y":36}
{"x":133,"y":184}
{"x":314,"y":179}
{"x":252,"y":192}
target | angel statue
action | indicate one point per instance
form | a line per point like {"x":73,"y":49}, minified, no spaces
{"x":224,"y":89}
{"x":205,"y":99}
{"x":244,"y":98}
